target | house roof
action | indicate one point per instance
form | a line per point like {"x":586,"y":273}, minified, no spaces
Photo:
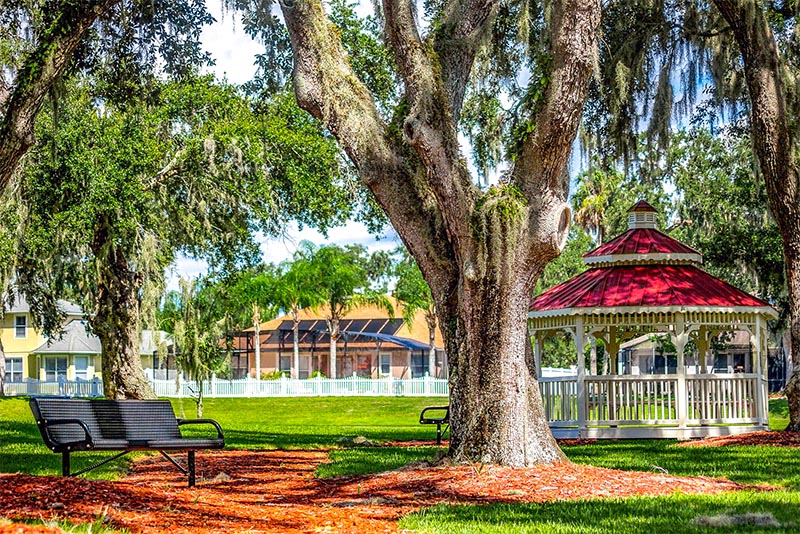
{"x":361,"y":328}
{"x":77,"y":340}
{"x":19,"y":304}
{"x":366,"y":319}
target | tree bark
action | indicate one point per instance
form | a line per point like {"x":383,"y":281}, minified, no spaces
{"x":116,"y":322}
{"x":775,"y":147}
{"x":430,"y":318}
{"x":49,"y":59}
{"x":2,"y":370}
{"x":333,"y":334}
{"x":480,"y":252}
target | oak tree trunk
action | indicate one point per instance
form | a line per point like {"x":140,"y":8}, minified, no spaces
{"x":116,"y":322}
{"x":775,"y":147}
{"x":496,"y":407}
{"x":480,"y":251}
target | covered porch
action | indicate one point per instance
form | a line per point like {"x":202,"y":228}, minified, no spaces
{"x":644,"y":282}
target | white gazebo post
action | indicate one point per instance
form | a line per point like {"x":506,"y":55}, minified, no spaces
{"x":580,"y":346}
{"x":702,"y":342}
{"x":761,"y":394}
{"x":537,"y":354}
{"x":681,"y":337}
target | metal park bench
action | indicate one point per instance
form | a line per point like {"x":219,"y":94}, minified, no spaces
{"x":440,"y":418}
{"x":69,"y":425}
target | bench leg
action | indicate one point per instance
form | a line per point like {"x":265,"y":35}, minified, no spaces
{"x":65,"y":464}
{"x":438,"y":433}
{"x":190,"y":468}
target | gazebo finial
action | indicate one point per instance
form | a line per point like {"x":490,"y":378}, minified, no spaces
{"x":641,"y":215}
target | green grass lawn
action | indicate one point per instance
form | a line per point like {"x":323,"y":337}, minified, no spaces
{"x":319,"y":422}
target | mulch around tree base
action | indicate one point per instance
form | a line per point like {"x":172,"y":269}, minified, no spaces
{"x":275,"y":491}
{"x":779,"y":439}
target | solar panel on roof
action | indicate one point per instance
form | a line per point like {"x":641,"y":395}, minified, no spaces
{"x":375,"y":325}
{"x":391,"y":326}
{"x":357,"y":325}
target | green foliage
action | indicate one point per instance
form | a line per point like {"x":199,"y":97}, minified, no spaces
{"x":196,"y":334}
{"x":369,"y":58}
{"x":341,"y":274}
{"x":722,"y":207}
{"x":504,"y":199}
{"x":412,"y":290}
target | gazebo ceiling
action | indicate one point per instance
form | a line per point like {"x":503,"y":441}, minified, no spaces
{"x":643,"y":271}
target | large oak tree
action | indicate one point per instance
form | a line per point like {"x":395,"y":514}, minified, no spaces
{"x":481,"y":251}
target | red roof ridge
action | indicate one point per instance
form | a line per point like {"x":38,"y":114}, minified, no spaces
{"x":642,"y":205}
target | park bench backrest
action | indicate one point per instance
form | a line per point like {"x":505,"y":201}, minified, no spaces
{"x":107,"y":419}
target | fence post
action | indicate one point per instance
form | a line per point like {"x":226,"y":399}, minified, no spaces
{"x":179,"y":380}
{"x":95,"y":387}
{"x":213,"y":385}
{"x":426,"y":385}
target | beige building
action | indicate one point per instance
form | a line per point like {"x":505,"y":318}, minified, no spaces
{"x":371,"y":344}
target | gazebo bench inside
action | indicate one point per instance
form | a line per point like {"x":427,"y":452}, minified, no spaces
{"x":69,"y":425}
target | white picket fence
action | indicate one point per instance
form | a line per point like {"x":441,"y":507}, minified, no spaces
{"x":352,"y":386}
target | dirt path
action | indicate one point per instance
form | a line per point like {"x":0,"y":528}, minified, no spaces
{"x":275,"y":491}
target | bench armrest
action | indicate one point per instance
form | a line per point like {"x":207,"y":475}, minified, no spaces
{"x":57,"y":422}
{"x":202,"y":422}
{"x":442,"y":419}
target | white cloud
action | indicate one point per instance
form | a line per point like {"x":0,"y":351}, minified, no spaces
{"x":233,"y":51}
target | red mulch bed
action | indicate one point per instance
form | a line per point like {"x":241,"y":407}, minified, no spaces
{"x":778,"y":439}
{"x":275,"y":491}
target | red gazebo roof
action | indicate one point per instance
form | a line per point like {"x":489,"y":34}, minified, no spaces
{"x":640,"y":286}
{"x":640,"y":270}
{"x":640,"y":241}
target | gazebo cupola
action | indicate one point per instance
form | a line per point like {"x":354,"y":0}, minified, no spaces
{"x":641,"y":282}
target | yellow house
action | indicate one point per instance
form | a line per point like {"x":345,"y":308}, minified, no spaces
{"x":74,"y":356}
{"x":21,"y":337}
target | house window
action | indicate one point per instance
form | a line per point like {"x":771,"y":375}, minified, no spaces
{"x":285,"y":364}
{"x":21,"y":326}
{"x":418,"y":364}
{"x":305,"y":366}
{"x":55,"y":367}
{"x":386,"y":364}
{"x":13,"y":370}
{"x":81,"y":367}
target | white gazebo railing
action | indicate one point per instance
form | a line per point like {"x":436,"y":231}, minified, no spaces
{"x":646,"y":406}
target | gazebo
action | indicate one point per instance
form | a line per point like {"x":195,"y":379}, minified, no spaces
{"x":645,"y":282}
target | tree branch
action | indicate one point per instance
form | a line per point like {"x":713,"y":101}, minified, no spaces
{"x":771,"y":135}
{"x":326,"y":87}
{"x":40,"y":69}
{"x":429,"y":127}
{"x":5,"y":93}
{"x":540,"y":168}
{"x":466,"y":24}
